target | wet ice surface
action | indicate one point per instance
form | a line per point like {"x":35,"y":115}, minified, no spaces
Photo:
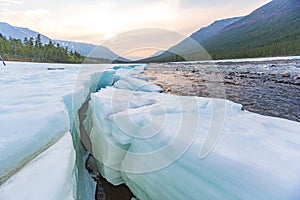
{"x":32,"y":113}
{"x":256,"y":157}
{"x":35,"y":141}
{"x":266,"y":87}
{"x":136,"y":135}
{"x":153,"y":143}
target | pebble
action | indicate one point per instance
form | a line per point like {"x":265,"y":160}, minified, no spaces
{"x":297,"y":77}
{"x":285,"y":74}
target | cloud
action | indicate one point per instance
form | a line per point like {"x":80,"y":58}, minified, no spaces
{"x":185,"y":4}
{"x":238,"y":4}
{"x":10,"y":2}
{"x":109,"y":18}
{"x":97,"y":20}
{"x":36,"y":19}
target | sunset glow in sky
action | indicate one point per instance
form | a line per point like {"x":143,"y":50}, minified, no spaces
{"x":95,"y":21}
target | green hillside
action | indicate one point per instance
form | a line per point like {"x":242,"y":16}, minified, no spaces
{"x":34,"y":51}
{"x":272,"y":30}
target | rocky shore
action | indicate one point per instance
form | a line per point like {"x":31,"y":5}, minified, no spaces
{"x":266,"y":87}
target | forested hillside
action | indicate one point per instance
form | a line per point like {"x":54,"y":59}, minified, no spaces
{"x":189,"y":49}
{"x":32,"y":49}
{"x":272,"y":30}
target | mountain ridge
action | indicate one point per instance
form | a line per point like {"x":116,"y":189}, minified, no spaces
{"x":186,"y":48}
{"x":271,"y":30}
{"x":215,"y":27}
{"x":85,"y":49}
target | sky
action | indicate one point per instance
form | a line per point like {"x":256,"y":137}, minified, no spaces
{"x":96,"y":21}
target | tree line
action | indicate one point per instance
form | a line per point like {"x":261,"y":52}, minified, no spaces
{"x":33,"y":50}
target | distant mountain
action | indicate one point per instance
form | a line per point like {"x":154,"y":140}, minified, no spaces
{"x":157,"y":53}
{"x":189,"y":47}
{"x":213,"y":29}
{"x":272,"y":30}
{"x":20,"y":33}
{"x":91,"y":50}
{"x":84,"y":49}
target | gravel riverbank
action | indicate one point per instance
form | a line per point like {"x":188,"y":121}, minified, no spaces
{"x":266,"y":87}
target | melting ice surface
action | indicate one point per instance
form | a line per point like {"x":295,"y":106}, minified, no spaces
{"x":152,"y":142}
{"x":148,"y":140}
{"x":37,"y":154}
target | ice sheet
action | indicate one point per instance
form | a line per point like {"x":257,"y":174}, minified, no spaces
{"x":35,"y":112}
{"x":38,"y":105}
{"x":48,"y":176}
{"x":152,"y":142}
{"x":32,"y":113}
{"x":148,"y":140}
